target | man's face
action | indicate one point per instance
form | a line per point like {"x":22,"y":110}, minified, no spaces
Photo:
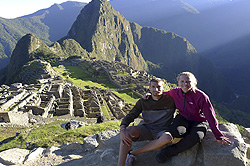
{"x":156,"y":88}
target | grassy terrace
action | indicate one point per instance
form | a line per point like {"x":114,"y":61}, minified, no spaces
{"x":79,"y":77}
{"x":50,"y":135}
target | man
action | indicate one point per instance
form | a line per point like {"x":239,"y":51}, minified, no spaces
{"x":157,"y":113}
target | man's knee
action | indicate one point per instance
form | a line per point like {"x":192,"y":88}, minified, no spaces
{"x":133,"y":131}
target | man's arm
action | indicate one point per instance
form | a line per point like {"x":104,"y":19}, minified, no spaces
{"x":134,"y":113}
{"x":125,"y":136}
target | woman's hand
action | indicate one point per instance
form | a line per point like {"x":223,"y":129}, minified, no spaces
{"x":224,"y":141}
{"x":146,"y":96}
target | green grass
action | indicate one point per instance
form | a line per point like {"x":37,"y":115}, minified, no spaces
{"x":8,"y":132}
{"x":126,"y":95}
{"x":81,"y":78}
{"x":106,"y":113}
{"x":54,"y":135}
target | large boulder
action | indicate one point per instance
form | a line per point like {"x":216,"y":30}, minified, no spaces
{"x":207,"y":153}
{"x":215,"y":154}
{"x":13,"y":156}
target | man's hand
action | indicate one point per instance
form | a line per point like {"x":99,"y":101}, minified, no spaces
{"x":126,"y":138}
{"x":224,"y":141}
{"x":146,"y":96}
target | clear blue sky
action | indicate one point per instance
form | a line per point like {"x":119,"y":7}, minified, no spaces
{"x":16,"y":8}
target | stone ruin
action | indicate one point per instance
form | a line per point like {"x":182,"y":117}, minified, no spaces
{"x":52,"y":96}
{"x":49,"y":99}
{"x":130,"y":76}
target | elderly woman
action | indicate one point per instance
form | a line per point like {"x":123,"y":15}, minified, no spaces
{"x":195,"y":114}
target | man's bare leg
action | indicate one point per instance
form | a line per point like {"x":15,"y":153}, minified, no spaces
{"x":124,"y":149}
{"x":164,"y":139}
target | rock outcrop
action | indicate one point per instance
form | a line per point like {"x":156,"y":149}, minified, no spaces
{"x":102,"y":149}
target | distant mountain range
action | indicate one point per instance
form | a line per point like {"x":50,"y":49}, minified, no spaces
{"x":233,"y":61}
{"x":206,"y":24}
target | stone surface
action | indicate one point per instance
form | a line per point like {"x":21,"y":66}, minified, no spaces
{"x":13,"y":156}
{"x":215,"y":154}
{"x":34,"y":154}
{"x":91,"y":141}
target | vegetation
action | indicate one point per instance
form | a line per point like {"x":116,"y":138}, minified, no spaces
{"x":7,"y":133}
{"x":128,"y":96}
{"x":45,"y":54}
{"x":225,"y":114}
{"x":54,"y":135}
{"x":79,"y":77}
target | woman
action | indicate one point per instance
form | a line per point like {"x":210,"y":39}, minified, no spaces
{"x":195,"y":113}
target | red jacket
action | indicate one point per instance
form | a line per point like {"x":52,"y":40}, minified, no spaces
{"x":196,"y":106}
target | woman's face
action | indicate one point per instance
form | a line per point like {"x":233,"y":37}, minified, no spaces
{"x":184,"y":83}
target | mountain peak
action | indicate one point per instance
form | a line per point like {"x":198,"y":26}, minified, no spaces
{"x":56,"y":6}
{"x":21,"y":54}
{"x":106,"y":34}
{"x":86,"y":23}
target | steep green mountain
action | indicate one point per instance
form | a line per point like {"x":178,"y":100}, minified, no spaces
{"x":31,"y":47}
{"x":106,"y":34}
{"x":11,"y":30}
{"x":48,"y":24}
{"x":28,"y":48}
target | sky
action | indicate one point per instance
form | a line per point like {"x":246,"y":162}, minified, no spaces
{"x":17,"y":8}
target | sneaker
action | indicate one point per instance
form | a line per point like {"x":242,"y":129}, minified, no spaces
{"x":130,"y":159}
{"x":162,"y":156}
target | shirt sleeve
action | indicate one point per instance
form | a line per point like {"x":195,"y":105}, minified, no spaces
{"x":170,"y":93}
{"x":134,"y":113}
{"x":208,"y":111}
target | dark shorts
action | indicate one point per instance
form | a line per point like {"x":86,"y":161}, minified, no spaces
{"x":148,"y":133}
